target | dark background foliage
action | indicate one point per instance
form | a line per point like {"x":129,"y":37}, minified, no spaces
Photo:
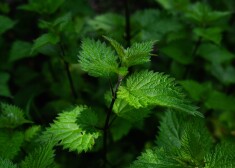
{"x":39,"y":70}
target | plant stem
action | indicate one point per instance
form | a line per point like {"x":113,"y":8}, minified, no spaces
{"x":68,"y":73}
{"x":107,"y":125}
{"x":114,"y":92}
{"x":127,"y":23}
{"x":194,"y":52}
{"x":198,"y":43}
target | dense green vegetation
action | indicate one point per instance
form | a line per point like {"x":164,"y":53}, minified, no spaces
{"x":113,"y":84}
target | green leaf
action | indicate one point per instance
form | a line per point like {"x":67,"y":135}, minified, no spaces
{"x":87,"y":120}
{"x":183,"y":141}
{"x":203,"y":15}
{"x":220,"y":101}
{"x":215,"y":54}
{"x":44,"y":40}
{"x":41,"y":157}
{"x":97,"y":59}
{"x":223,"y":74}
{"x":69,"y":133}
{"x":120,"y":128}
{"x":181,"y":133}
{"x":157,"y":157}
{"x":4,"y":7}
{"x":11,"y":116}
{"x":63,"y":21}
{"x":170,"y":131}
{"x":211,"y":34}
{"x":124,"y":110}
{"x":110,"y":24}
{"x":173,"y":5}
{"x":148,"y":88}
{"x":42,"y":7}
{"x":175,"y":51}
{"x":19,"y":50}
{"x":31,"y":132}
{"x":10,"y":143}
{"x":6,"y":24}
{"x":4,"y":87}
{"x":138,"y":53}
{"x":153,"y":25}
{"x":196,"y":90}
{"x":195,"y":143}
{"x":222,"y":156}
{"x":6,"y":163}
{"x":117,"y":46}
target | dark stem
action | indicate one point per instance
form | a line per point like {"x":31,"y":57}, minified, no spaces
{"x":111,"y":87}
{"x":198,"y":43}
{"x":107,"y":125}
{"x":194,"y":52}
{"x":112,"y":120}
{"x":68,"y":73}
{"x":127,"y":24}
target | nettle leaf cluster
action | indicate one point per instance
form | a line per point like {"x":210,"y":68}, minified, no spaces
{"x":88,"y":101}
{"x":183,"y":139}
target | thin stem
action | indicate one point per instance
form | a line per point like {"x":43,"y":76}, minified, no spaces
{"x":127,"y":23}
{"x":194,"y":52}
{"x":68,"y":73}
{"x":198,"y":43}
{"x":111,"y":87}
{"x":106,"y":125}
{"x":112,"y":120}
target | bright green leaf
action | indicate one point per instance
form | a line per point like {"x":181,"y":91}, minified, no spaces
{"x":117,"y":46}
{"x":69,"y":133}
{"x":138,"y":53}
{"x":97,"y":59}
{"x":148,"y":88}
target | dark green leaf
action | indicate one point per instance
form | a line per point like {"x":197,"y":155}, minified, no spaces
{"x":10,"y":143}
{"x":44,"y":40}
{"x":19,"y":50}
{"x":6,"y":24}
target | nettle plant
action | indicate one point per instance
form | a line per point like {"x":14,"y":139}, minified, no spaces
{"x":183,"y":139}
